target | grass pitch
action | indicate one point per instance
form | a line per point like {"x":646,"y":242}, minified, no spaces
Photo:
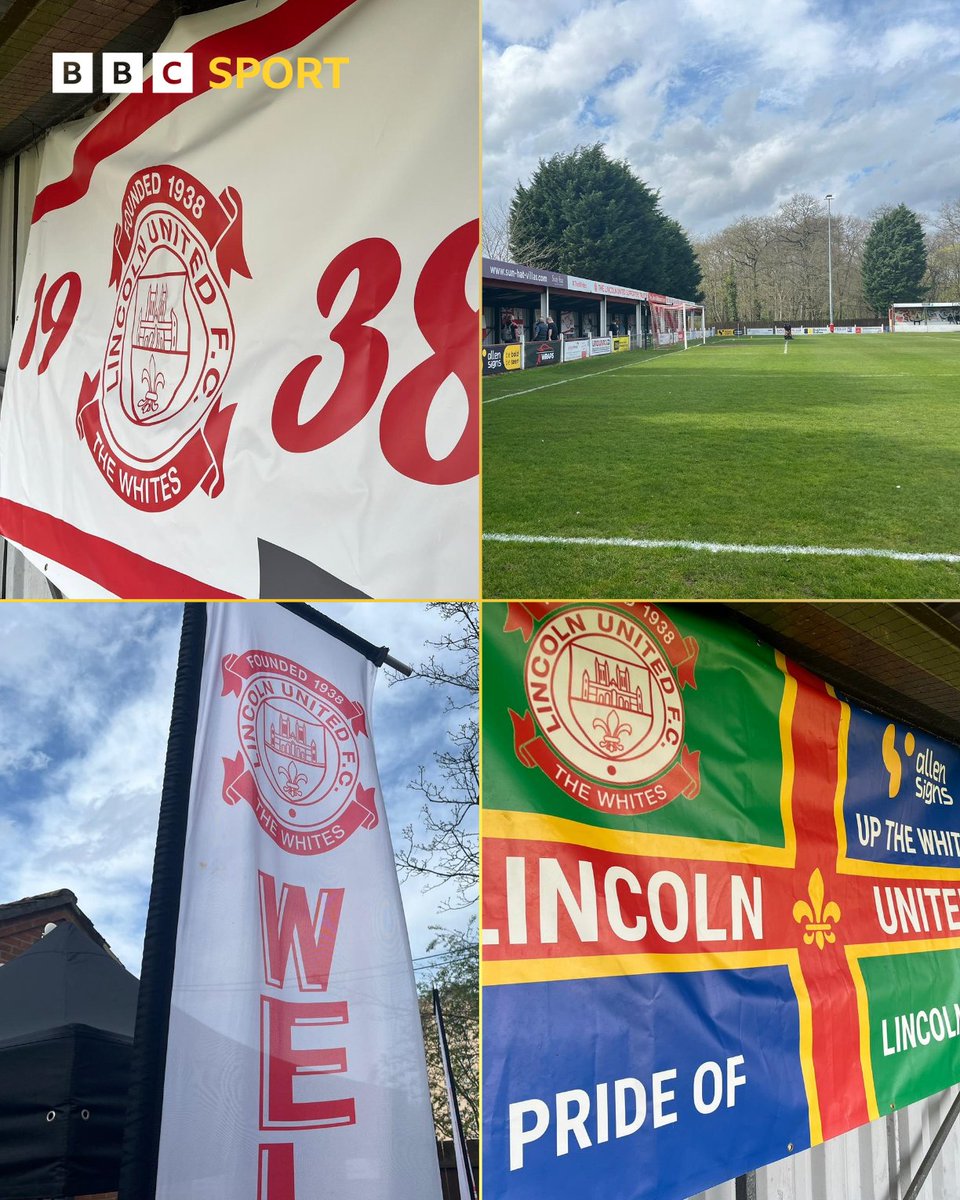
{"x":846,"y":444}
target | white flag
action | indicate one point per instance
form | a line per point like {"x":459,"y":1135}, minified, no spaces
{"x":244,"y":360}
{"x":295,"y":1065}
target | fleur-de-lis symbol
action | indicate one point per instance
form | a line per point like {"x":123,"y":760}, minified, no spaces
{"x":155,"y":383}
{"x":294,"y":778}
{"x":611,"y":727}
{"x":816,"y":917}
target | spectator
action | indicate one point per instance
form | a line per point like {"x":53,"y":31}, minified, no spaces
{"x":614,"y":328}
{"x":551,"y":329}
{"x":506,"y":330}
{"x":540,"y":330}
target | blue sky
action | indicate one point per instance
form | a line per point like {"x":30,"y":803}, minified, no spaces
{"x":85,"y":694}
{"x":728,"y":109}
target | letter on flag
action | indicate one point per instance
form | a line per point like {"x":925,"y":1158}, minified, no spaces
{"x":279,"y":1052}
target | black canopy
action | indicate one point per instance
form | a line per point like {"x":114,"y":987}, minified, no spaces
{"x":67,"y":1011}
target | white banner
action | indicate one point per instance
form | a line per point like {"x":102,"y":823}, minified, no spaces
{"x":926,"y":327}
{"x":575,"y":348}
{"x":295,"y":1065}
{"x":245,"y":353}
{"x":820,"y":329}
{"x":601,"y":345}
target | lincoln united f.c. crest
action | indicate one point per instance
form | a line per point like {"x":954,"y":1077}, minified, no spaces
{"x":153,"y":415}
{"x":298,"y":766}
{"x":605,"y":718}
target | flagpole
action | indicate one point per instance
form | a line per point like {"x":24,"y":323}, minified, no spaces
{"x":379,"y":655}
{"x":468,"y":1187}
{"x":138,"y":1170}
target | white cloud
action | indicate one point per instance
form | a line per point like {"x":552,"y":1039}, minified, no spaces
{"x":85,"y":696}
{"x":730,"y":110}
{"x":89,"y":688}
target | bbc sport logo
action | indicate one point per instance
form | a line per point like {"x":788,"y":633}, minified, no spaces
{"x":74,"y":72}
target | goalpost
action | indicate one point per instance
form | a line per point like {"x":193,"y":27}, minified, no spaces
{"x":689,"y":325}
{"x":670,"y":325}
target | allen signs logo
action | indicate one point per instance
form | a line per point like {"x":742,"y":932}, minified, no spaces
{"x":153,"y":415}
{"x":604,"y":687}
{"x":299,"y":761}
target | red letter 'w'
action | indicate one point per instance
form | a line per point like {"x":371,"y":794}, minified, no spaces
{"x":290,"y":928}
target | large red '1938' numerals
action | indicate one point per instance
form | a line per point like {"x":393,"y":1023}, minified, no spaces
{"x":53,"y":318}
{"x":447,"y":322}
{"x":365,"y":350}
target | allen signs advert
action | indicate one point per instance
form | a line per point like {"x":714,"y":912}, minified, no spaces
{"x":721,"y":904}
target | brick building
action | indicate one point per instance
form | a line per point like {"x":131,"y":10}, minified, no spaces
{"x":22,"y":922}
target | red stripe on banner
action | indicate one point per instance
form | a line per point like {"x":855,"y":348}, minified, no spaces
{"x":833,"y":998}
{"x":263,"y":36}
{"x":115,"y":568}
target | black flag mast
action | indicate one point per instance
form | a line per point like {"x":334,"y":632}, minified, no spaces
{"x":460,"y":1142}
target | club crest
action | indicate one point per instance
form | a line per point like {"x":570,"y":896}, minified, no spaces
{"x":298,"y":766}
{"x":605,"y":718}
{"x":153,"y":416}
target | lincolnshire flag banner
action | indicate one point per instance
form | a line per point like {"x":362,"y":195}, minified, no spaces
{"x":278,"y":1052}
{"x":244,"y":355}
{"x":721,"y":905}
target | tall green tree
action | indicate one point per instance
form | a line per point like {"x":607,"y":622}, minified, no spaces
{"x":894,"y":259}
{"x":679,"y":269}
{"x":730,"y":297}
{"x":587,"y":214}
{"x":457,"y":979}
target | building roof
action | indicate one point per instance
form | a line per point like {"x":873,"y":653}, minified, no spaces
{"x":509,"y":274}
{"x":33,"y":30}
{"x":36,"y":906}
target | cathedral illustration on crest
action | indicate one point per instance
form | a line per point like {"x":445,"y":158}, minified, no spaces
{"x":157,"y":328}
{"x":291,"y":740}
{"x":615,"y":690}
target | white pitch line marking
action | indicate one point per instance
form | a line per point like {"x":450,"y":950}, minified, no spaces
{"x":724,"y":547}
{"x":577,"y":378}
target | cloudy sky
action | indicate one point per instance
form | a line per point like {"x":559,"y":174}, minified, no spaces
{"x":85,"y":695}
{"x":729,"y":108}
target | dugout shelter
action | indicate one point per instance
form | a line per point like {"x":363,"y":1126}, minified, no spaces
{"x":939,"y":316}
{"x":514,"y":293}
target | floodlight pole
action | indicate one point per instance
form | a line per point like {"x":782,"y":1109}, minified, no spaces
{"x":828,"y":198}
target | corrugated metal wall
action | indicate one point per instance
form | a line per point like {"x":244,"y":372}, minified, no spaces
{"x":876,"y":1162}
{"x":19,"y":177}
